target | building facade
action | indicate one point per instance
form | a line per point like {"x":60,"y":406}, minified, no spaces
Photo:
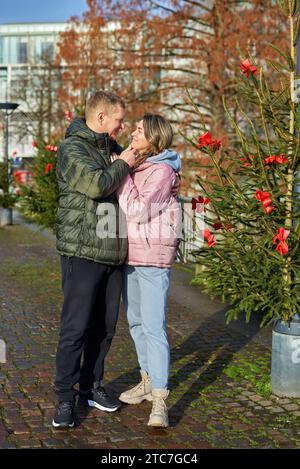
{"x":24,"y":50}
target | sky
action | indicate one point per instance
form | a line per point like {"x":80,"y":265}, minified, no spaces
{"x":27,"y":11}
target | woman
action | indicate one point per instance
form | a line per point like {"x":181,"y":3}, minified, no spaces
{"x":153,"y":222}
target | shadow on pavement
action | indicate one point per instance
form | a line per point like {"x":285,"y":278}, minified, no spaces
{"x":208,"y":350}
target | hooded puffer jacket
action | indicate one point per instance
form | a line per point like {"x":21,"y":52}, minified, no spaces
{"x":87,"y":223}
{"x":153,"y":214}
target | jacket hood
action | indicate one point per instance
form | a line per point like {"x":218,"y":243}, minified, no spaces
{"x":79,"y":128}
{"x":169,"y":157}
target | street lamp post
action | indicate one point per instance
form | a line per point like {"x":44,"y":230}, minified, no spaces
{"x":9,"y":108}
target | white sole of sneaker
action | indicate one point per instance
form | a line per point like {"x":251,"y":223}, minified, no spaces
{"x":100,"y":407}
{"x":158,"y":424}
{"x":59,"y":425}
{"x":136,"y":400}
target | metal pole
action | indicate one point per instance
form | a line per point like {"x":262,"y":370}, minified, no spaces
{"x":6,"y":150}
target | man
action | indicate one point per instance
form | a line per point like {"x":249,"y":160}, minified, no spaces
{"x":91,"y":264}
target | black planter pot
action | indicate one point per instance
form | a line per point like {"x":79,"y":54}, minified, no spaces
{"x":286,"y":358}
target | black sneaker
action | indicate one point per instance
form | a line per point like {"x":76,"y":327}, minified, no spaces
{"x":100,"y":399}
{"x":64,"y":415}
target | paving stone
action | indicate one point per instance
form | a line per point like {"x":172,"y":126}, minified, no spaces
{"x":291,"y":407}
{"x":53,"y":443}
{"x":256,"y":398}
{"x":20,"y":429}
{"x":266,"y":403}
{"x":276,"y":410}
{"x":5,"y":445}
{"x":27,"y":444}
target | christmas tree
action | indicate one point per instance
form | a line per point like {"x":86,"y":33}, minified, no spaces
{"x":39,"y":200}
{"x":250,"y":255}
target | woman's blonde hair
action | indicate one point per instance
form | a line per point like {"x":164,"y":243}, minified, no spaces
{"x":158,"y":131}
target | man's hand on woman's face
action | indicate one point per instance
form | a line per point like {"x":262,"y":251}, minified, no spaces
{"x":114,"y":157}
{"x":128,"y":155}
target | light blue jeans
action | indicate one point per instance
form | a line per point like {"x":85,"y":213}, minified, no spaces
{"x":145,"y":292}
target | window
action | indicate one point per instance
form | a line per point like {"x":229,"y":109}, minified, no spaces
{"x":1,"y":50}
{"x":3,"y":83}
{"x":22,"y":56}
{"x":47,"y":54}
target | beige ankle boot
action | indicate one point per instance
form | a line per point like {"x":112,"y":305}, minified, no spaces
{"x":139,"y":393}
{"x":159,"y":414}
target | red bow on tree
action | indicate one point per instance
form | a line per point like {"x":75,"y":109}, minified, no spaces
{"x":264,"y":198}
{"x":281,"y":236}
{"x":247,"y":68}
{"x":51,"y":148}
{"x":48,"y":168}
{"x":217,"y":226}
{"x":206,"y":139}
{"x":243,"y":160}
{"x":68,"y":115}
{"x":201,"y":200}
{"x":279,"y":159}
{"x":209,"y":238}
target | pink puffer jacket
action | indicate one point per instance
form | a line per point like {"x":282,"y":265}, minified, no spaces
{"x":153,"y":215}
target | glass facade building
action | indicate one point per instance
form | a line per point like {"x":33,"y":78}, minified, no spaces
{"x":24,"y":48}
{"x":28,"y":43}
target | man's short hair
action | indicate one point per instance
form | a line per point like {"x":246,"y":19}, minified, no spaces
{"x":104,"y":99}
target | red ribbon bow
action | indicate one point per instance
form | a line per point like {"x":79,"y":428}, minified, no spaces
{"x":201,"y":200}
{"x":264,"y":198}
{"x":206,"y":139}
{"x":68,"y":115}
{"x":217,"y":226}
{"x":209,"y":238}
{"x":247,"y":68}
{"x":281,"y":236}
{"x":51,"y":148}
{"x":277,"y":159}
{"x":48,"y":168}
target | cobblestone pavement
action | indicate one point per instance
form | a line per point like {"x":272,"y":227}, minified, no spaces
{"x":214,"y":401}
